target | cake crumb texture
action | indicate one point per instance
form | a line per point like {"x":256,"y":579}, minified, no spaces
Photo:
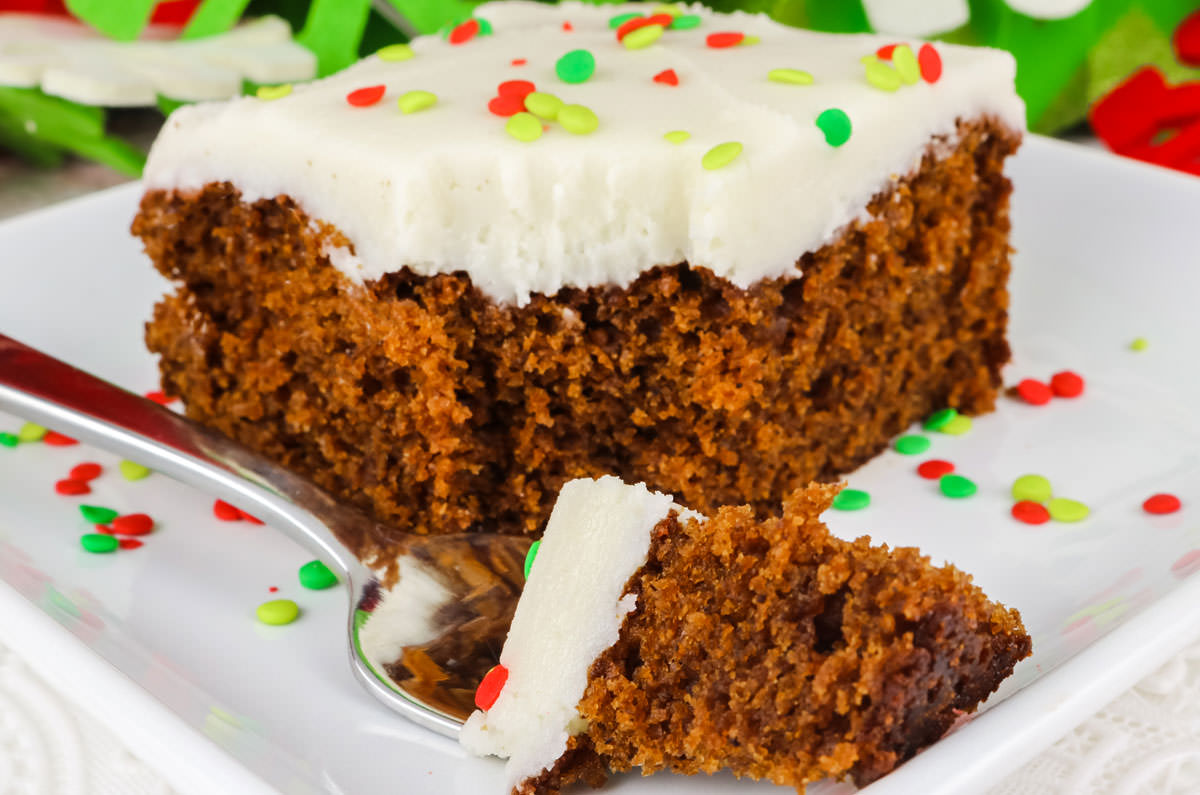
{"x":781,"y":652}
{"x":439,"y":410}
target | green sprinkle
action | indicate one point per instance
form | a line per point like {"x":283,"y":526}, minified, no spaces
{"x":395,"y":52}
{"x":578,"y":119}
{"x":956,"y":486}
{"x":938,"y":419}
{"x":666,"y":8}
{"x":97,"y":514}
{"x":913,"y":444}
{"x":721,"y":155}
{"x":524,"y":126}
{"x":1139,"y":344}
{"x":98,"y":543}
{"x":749,"y":40}
{"x":277,"y":612}
{"x":1034,"y":488}
{"x":485,"y":27}
{"x":643,"y":37}
{"x":851,"y":500}
{"x":131,"y":470}
{"x":957,"y":426}
{"x":316,"y":576}
{"x":836,"y":125}
{"x":906,"y":65}
{"x":1064,"y":510}
{"x":413,"y":101}
{"x":530,"y":555}
{"x":793,"y":77}
{"x":273,"y":92}
{"x":10,"y":439}
{"x":31,"y":432}
{"x":677,"y":136}
{"x":575,"y":67}
{"x":881,"y":75}
{"x":621,"y":19}
{"x":542,"y":105}
{"x":685,"y":22}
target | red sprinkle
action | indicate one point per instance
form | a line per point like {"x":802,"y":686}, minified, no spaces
{"x":464,"y":32}
{"x":85,"y":471}
{"x":1030,"y":512}
{"x":364,"y":97}
{"x":930,"y":63}
{"x":133,"y":524}
{"x":1034,"y":392}
{"x":934,"y":468}
{"x":129,"y":543}
{"x":519,"y":61}
{"x":1066,"y":384}
{"x":667,"y":77}
{"x":251,"y":519}
{"x":724,"y":39}
{"x":160,"y":397}
{"x":226,"y":512}
{"x":1162,"y":503}
{"x":56,"y":439}
{"x":70,"y":488}
{"x":273,"y":589}
{"x":489,"y":689}
{"x":630,"y":25}
{"x":516,"y":88}
{"x":884,"y":53}
{"x":105,"y":529}
{"x":506,"y":106}
{"x":567,"y":27}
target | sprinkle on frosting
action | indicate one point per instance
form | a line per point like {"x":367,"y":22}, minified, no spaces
{"x":269,"y":93}
{"x":56,"y":439}
{"x":642,"y":37}
{"x":884,"y":53}
{"x":956,"y":486}
{"x":366,"y":96}
{"x":685,"y":22}
{"x":723,"y":39}
{"x":97,"y":514}
{"x":577,"y":66}
{"x":930,"y":62}
{"x":667,"y":77}
{"x":464,"y":32}
{"x":880,"y":75}
{"x":578,"y":119}
{"x":31,"y":432}
{"x":958,"y":425}
{"x":524,"y":126}
{"x":677,"y":136}
{"x":530,"y":556}
{"x":666,"y":8}
{"x":506,"y":105}
{"x":395,"y":53}
{"x":1065,"y":510}
{"x":934,"y":468}
{"x":1034,"y":488}
{"x":1034,"y":392}
{"x":620,"y":19}
{"x":98,"y":544}
{"x":1030,"y":512}
{"x":516,"y":88}
{"x":912,"y":444}
{"x":938,"y":419}
{"x":1066,"y":384}
{"x":413,"y":101}
{"x":489,"y":689}
{"x":131,"y":470}
{"x":851,"y":500}
{"x":1160,"y":504}
{"x":519,"y":61}
{"x":8,"y":439}
{"x":543,"y":105}
{"x":792,"y":77}
{"x":721,"y":155}
{"x":906,"y":65}
{"x":86,"y":471}
{"x":835,"y":124}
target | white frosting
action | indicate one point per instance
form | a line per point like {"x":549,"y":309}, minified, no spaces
{"x":404,"y":615}
{"x":570,"y":611}
{"x":447,"y":189}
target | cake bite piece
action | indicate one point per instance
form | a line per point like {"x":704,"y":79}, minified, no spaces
{"x":649,"y":636}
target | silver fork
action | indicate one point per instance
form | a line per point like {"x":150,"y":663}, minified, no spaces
{"x":433,"y":681}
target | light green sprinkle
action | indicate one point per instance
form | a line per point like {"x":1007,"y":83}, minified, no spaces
{"x":273,"y":92}
{"x":277,"y":612}
{"x":413,"y":101}
{"x":31,"y":432}
{"x":685,"y":22}
{"x":665,"y":8}
{"x":530,"y":555}
{"x":906,"y":65}
{"x":131,"y":470}
{"x":912,"y":444}
{"x":938,"y":419}
{"x":98,"y":543}
{"x":524,"y":126}
{"x":835,"y":124}
{"x":721,"y":155}
{"x":10,"y":439}
{"x":316,"y":576}
{"x":1064,"y":510}
{"x":749,"y":40}
{"x":851,"y":500}
{"x":643,"y":37}
{"x":578,"y":119}
{"x":1139,"y":344}
{"x":543,"y":105}
{"x":1034,"y":488}
{"x":881,"y":75}
{"x":621,"y":19}
{"x":97,"y":514}
{"x":395,"y":52}
{"x":575,"y":67}
{"x":677,"y":136}
{"x":957,"y":426}
{"x":956,"y":486}
{"x":793,"y":77}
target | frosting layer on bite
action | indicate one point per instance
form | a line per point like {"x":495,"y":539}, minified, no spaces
{"x":567,"y":616}
{"x":448,"y":189}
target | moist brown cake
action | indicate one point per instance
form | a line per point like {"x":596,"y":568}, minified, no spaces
{"x":778,"y":651}
{"x":436,"y":409}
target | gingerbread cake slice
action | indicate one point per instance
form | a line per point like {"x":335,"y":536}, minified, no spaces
{"x":710,"y":252}
{"x":648,"y":636}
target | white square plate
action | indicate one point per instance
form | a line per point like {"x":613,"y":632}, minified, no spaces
{"x":162,"y":643}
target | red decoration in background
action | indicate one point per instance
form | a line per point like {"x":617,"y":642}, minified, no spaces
{"x":168,"y":12}
{"x":49,"y":7}
{"x":1187,"y":39}
{"x":1147,"y":119}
